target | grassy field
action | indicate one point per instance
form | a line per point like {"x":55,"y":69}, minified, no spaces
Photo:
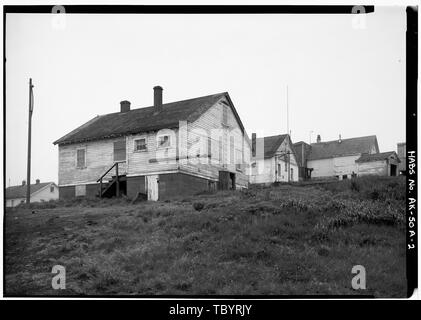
{"x":279,"y":240}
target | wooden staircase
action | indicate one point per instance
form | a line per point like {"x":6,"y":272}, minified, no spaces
{"x":113,"y":186}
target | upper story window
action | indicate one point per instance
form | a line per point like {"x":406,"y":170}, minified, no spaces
{"x":224,"y":114}
{"x":140,"y":145}
{"x":51,"y":188}
{"x":164,"y":141}
{"x":81,"y":158}
{"x":120,"y":150}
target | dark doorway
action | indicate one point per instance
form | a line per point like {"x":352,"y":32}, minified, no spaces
{"x":393,"y":170}
{"x":232,"y":180}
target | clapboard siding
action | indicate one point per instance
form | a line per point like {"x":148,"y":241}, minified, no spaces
{"x":266,"y":170}
{"x":188,"y":151}
{"x":373,"y":168}
{"x":153,"y":159}
{"x":99,"y":158}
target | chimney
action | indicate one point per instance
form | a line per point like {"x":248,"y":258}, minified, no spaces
{"x":340,"y":139}
{"x":253,"y":144}
{"x":157,"y":97}
{"x":37,"y":181}
{"x":319,"y":139}
{"x":23,"y":182}
{"x":124,"y":106}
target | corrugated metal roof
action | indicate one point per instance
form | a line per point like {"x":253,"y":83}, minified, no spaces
{"x":377,"y":156}
{"x":345,"y":147}
{"x":20,"y":191}
{"x":144,"y":119}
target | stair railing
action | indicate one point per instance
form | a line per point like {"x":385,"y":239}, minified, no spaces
{"x":117,"y":179}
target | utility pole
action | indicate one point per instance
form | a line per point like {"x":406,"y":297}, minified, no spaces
{"x":287,"y":113}
{"x":28,"y":172}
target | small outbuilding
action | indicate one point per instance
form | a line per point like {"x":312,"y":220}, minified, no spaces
{"x":382,"y":164}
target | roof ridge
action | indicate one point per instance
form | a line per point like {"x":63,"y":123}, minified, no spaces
{"x":346,"y":139}
{"x":167,"y":103}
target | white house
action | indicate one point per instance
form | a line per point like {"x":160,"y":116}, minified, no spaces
{"x":383,"y":164}
{"x":158,"y":152}
{"x":336,"y":158}
{"x":39,"y":192}
{"x":274,"y":160}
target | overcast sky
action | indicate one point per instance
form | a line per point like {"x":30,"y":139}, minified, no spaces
{"x":341,"y":80}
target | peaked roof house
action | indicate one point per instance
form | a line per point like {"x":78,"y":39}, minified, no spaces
{"x":334,"y":158}
{"x":158,"y":152}
{"x":40,"y":191}
{"x":273,"y":160}
{"x":384,"y":163}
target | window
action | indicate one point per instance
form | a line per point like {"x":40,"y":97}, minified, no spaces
{"x":120,"y":150}
{"x":81,"y":158}
{"x":164,"y":141}
{"x":220,"y":150}
{"x":224,"y":115}
{"x":238,"y":160}
{"x":232,"y":150}
{"x":140,"y":144}
{"x":209,"y":147}
{"x":292,"y":174}
{"x":51,"y":188}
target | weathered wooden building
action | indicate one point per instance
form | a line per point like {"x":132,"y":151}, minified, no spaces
{"x":402,"y":157}
{"x":383,"y":164}
{"x":159,"y":152}
{"x":273,"y":160}
{"x":334,"y":158}
{"x":39,"y":191}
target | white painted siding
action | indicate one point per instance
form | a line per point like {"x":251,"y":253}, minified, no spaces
{"x":99,"y":158}
{"x":331,"y":167}
{"x":266,"y":171}
{"x":373,"y":167}
{"x":154,"y":160}
{"x":44,"y":194}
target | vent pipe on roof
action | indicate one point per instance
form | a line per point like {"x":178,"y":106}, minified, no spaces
{"x":319,"y":139}
{"x":157,"y":98}
{"x":124,"y":106}
{"x":340,"y":139}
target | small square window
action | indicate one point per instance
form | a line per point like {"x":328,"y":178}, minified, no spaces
{"x":164,"y":141}
{"x":140,"y":145}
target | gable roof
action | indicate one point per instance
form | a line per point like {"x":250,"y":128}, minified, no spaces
{"x":20,"y":191}
{"x":145,"y":119}
{"x":346,"y":147}
{"x":377,"y":156}
{"x":271,"y":144}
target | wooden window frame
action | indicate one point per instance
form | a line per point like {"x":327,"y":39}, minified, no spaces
{"x":135,"y":145}
{"x":84,"y":158}
{"x":159,"y":146}
{"x":125,"y":150}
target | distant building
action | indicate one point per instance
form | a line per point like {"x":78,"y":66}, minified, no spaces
{"x":45,"y":191}
{"x":344,"y":158}
{"x":337,"y":158}
{"x":274,"y":160}
{"x":383,"y":164}
{"x":302,"y":151}
{"x":402,"y":157}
